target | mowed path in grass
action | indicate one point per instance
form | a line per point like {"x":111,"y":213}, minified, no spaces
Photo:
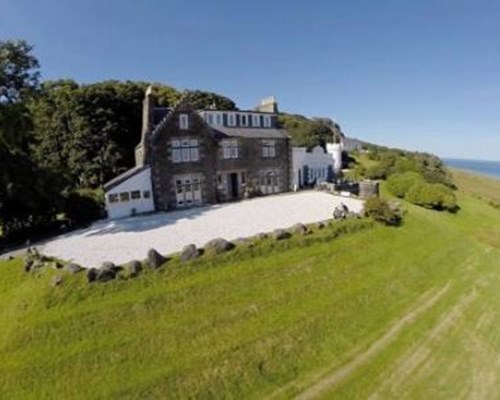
{"x":385,"y":313}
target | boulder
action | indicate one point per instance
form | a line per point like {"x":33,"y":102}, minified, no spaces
{"x":56,"y":281}
{"x":105,"y":274}
{"x":27,"y":265}
{"x":299,"y":229}
{"x":189,"y":252}
{"x":319,"y":225}
{"x":155,"y":259}
{"x":37,"y":264}
{"x":73,"y":268}
{"x":134,"y":268}
{"x":280,"y":234}
{"x":218,"y":245}
{"x":261,"y":236}
{"x":56,"y":265}
{"x":92,"y":274}
{"x":108,"y":265}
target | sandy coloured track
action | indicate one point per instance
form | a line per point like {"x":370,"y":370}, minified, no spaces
{"x":120,"y":241}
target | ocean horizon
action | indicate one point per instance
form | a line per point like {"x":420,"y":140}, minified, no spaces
{"x":482,"y":167}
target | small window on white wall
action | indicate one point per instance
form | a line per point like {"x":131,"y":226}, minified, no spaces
{"x":218,"y":119}
{"x":124,"y":196}
{"x":267,"y":121}
{"x":243,"y":119}
{"x":256,"y":120}
{"x":183,"y":121}
{"x":231,"y":119}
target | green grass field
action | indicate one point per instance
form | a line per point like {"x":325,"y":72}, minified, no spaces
{"x":382,"y":313}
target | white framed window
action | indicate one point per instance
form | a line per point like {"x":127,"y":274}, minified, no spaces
{"x":268,"y":148}
{"x":176,"y":151}
{"x":218,"y":119}
{"x":185,"y":150}
{"x":184,"y":121}
{"x":113,"y":198}
{"x":209,"y":118}
{"x":269,"y":181}
{"x":124,"y":196}
{"x":267,"y":121}
{"x":244,"y":119}
{"x":231,"y":119}
{"x":229,"y":148}
{"x":256,"y":120}
{"x":194,"y":152}
{"x":135,"y":194}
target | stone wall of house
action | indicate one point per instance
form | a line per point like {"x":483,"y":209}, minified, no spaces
{"x":251,"y":161}
{"x":211,"y":166}
{"x":164,"y":170}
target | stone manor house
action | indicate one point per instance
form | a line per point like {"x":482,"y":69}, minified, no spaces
{"x":190,"y":157}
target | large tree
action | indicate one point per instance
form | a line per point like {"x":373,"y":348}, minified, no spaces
{"x":28,"y":194}
{"x":310,"y":132}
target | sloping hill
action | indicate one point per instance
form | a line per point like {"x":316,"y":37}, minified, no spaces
{"x":409,"y":312}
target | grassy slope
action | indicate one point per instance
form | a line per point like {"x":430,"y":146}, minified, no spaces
{"x":321,"y":320}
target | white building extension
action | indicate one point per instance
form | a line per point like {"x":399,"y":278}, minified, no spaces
{"x":130,"y":193}
{"x":317,"y":165}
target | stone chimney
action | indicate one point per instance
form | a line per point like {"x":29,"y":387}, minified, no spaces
{"x":269,"y":104}
{"x":148,"y":106}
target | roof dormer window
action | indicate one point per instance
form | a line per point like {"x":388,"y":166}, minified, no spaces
{"x":243,"y":119}
{"x":209,"y":118}
{"x":267,"y":121}
{"x":231,"y":119}
{"x":218,"y":119}
{"x":255,"y":120}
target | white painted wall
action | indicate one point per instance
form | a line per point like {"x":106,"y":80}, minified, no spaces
{"x":141,"y":182}
{"x":318,"y":162}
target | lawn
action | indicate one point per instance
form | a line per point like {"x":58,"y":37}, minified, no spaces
{"x":408,"y":312}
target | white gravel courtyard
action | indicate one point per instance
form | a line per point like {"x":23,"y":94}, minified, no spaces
{"x":120,"y":241}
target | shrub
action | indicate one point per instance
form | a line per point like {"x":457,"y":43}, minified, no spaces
{"x":404,"y":164}
{"x":382,"y":211}
{"x":83,"y":206}
{"x":435,"y":196}
{"x":377,"y":171}
{"x":400,"y":184}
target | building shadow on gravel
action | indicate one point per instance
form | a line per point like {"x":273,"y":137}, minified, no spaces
{"x":144,"y":223}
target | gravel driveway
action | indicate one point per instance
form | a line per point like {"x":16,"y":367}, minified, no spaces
{"x":120,"y":241}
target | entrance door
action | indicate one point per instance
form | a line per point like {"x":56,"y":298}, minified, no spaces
{"x":233,"y":185}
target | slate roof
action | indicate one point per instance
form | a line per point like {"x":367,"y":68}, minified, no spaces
{"x":262,"y":133}
{"x":159,"y":113}
{"x":123,"y":177}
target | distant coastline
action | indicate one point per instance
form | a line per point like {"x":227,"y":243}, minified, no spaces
{"x":488,"y":168}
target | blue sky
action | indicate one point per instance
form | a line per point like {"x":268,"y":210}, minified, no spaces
{"x":421,"y":75}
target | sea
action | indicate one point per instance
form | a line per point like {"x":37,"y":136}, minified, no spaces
{"x":489,"y":168}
